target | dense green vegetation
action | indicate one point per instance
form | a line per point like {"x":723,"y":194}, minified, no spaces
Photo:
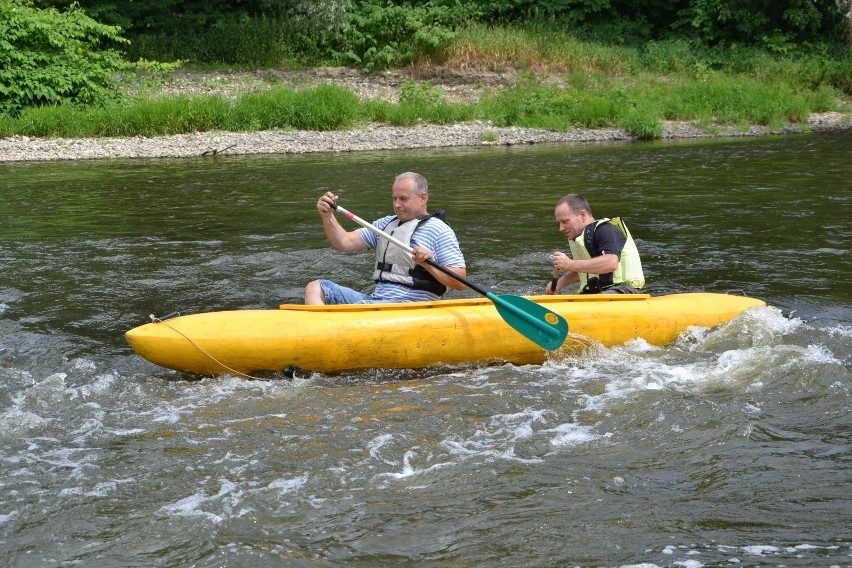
{"x":47,"y":57}
{"x":629,"y":64}
{"x":377,"y":33}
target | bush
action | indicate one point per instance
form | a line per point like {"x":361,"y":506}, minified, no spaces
{"x":379,"y":35}
{"x":50,"y":57}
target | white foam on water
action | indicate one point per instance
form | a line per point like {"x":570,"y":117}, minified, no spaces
{"x":35,"y":408}
{"x":375,"y":445}
{"x":840,"y":330}
{"x":83,"y":364}
{"x":744,"y":355}
{"x":228,"y":496}
{"x":71,"y":458}
{"x":408,"y":470}
{"x":820,"y":354}
{"x":186,"y":400}
{"x":760,"y":550}
{"x":688,"y":563}
{"x":289,"y":485}
{"x":166,"y":415}
{"x":572,"y":435}
{"x":102,"y":385}
{"x":191,"y":507}
{"x":747,"y":367}
{"x":498,"y":438}
{"x":101,"y":489}
{"x":52,"y":402}
{"x":125,"y":432}
{"x":802,"y":547}
{"x":639,"y":345}
{"x":760,"y":326}
{"x":7,"y":517}
{"x":89,"y":427}
{"x":15,"y":423}
{"x":690,"y":556}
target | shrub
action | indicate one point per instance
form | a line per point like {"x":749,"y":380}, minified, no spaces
{"x":49,"y":57}
{"x":379,"y":35}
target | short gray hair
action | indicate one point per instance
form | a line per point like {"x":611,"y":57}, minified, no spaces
{"x":421,"y":186}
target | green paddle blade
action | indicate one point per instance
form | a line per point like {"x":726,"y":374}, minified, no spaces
{"x":536,"y":323}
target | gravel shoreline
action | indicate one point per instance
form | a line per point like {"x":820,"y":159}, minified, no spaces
{"x":455,"y":86}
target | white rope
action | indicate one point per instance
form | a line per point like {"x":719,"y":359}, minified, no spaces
{"x":155,"y":319}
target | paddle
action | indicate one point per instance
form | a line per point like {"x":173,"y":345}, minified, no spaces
{"x":538,"y":324}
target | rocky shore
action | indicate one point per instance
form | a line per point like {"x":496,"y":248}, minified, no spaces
{"x":454,"y":86}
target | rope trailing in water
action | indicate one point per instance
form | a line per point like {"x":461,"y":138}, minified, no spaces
{"x":161,"y":320}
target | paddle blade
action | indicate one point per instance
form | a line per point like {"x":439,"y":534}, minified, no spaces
{"x":538,"y":324}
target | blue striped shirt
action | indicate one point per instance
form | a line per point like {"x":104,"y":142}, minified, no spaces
{"x":434,"y":235}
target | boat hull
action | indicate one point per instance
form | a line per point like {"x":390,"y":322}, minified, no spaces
{"x":412,"y":335}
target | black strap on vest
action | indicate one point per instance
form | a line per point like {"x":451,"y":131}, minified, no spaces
{"x":593,"y":283}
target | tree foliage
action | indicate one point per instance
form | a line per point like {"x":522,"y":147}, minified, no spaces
{"x":52,"y":57}
{"x":362,"y":29}
{"x":776,"y":25}
{"x":373,"y":34}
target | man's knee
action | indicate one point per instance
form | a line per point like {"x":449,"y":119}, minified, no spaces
{"x":314,"y":294}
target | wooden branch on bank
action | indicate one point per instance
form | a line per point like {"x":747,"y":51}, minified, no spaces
{"x":208,"y":153}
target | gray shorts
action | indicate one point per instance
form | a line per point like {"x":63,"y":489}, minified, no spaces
{"x":621,"y":289}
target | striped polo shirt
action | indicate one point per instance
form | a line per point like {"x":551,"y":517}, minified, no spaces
{"x":434,"y":235}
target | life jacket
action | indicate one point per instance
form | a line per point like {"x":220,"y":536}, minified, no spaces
{"x":395,"y":265}
{"x":629,"y":270}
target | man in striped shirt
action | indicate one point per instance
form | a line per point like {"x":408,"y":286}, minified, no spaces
{"x":399,"y":276}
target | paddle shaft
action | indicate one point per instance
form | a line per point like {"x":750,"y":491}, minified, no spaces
{"x":405,"y":247}
{"x":538,"y":324}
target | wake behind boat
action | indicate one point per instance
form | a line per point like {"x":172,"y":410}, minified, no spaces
{"x":341,"y":338}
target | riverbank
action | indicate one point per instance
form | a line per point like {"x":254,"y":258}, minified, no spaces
{"x":455,"y":86}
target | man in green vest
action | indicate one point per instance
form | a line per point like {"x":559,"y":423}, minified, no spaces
{"x":604,"y":258}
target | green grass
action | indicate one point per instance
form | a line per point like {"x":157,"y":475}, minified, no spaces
{"x":322,"y":108}
{"x":565,"y":83}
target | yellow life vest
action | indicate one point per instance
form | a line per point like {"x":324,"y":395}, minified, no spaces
{"x":629,"y":270}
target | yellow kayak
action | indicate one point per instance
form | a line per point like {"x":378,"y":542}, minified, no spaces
{"x":412,"y":335}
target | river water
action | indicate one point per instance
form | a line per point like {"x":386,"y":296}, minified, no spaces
{"x":729,"y":447}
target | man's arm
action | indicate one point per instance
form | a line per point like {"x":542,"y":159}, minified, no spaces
{"x":447,"y":247}
{"x":340,"y":239}
{"x":599,"y":265}
{"x":608,"y":242}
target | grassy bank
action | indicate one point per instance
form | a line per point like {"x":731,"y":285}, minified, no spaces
{"x":565,"y":83}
